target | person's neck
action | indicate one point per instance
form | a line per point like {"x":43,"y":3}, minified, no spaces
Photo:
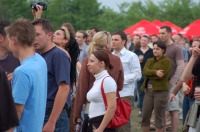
{"x":49,"y":46}
{"x":100,"y":70}
{"x":81,"y":45}
{"x":117,"y":51}
{"x":3,"y":52}
{"x":169,"y":42}
{"x":144,"y":47}
{"x":128,"y":42}
{"x":25,"y":53}
{"x":158,"y":57}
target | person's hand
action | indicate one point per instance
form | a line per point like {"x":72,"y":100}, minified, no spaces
{"x":197,"y":95}
{"x":76,"y":118}
{"x":9,"y":76}
{"x":37,"y":14}
{"x":195,"y":51}
{"x":171,"y":97}
{"x":186,"y":88}
{"x":48,"y":127}
{"x":160,"y":73}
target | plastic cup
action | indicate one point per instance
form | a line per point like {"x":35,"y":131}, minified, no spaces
{"x":141,"y":58}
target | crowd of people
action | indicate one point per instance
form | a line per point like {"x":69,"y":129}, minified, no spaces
{"x":51,"y":80}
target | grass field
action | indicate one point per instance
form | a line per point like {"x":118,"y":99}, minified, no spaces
{"x":136,"y":121}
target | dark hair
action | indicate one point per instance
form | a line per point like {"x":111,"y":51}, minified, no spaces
{"x":73,"y":49}
{"x":23,"y":30}
{"x":154,"y":35}
{"x":168,"y":29}
{"x":138,"y":35}
{"x":70,"y":28}
{"x":95,"y":29}
{"x":161,"y":45}
{"x":83,"y":32}
{"x":103,"y":56}
{"x":180,"y":35}
{"x":146,"y":36}
{"x":46,"y":25}
{"x":3,"y":23}
{"x":121,"y":34}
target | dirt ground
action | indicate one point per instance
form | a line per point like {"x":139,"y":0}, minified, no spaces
{"x":136,"y":121}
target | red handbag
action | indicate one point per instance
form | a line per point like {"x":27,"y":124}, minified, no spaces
{"x":122,"y":112}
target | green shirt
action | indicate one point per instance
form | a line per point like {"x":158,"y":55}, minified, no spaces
{"x":149,"y":71}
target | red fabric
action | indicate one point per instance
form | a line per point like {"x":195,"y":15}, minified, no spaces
{"x":192,"y":30}
{"x":122,"y":113}
{"x":141,"y":28}
{"x":157,"y":23}
{"x":190,"y":84}
{"x":175,"y":29}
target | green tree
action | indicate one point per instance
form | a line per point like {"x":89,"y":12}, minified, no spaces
{"x":13,"y":9}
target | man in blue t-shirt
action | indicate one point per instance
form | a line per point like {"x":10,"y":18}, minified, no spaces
{"x":29,"y":82}
{"x":58,"y":64}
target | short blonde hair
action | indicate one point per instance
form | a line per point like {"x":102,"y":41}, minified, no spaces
{"x":100,"y":41}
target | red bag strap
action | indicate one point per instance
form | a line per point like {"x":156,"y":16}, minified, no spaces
{"x":104,"y":95}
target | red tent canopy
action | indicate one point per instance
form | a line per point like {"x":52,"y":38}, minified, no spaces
{"x":192,"y":30}
{"x":175,"y":28}
{"x":157,"y":23}
{"x":142,"y":27}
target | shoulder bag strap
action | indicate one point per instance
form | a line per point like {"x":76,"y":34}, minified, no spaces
{"x":104,"y":95}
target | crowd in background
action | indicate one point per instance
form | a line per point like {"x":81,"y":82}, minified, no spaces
{"x":51,"y":80}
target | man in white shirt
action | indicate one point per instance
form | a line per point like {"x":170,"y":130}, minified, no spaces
{"x":132,"y":70}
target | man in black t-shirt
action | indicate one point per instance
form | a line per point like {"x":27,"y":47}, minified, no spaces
{"x":7,"y":61}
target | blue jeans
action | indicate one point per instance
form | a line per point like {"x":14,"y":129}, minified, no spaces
{"x":140,"y":92}
{"x":187,"y":103}
{"x":62,"y":124}
{"x":135,"y":95}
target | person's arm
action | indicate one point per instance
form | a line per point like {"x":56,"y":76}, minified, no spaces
{"x":37,"y":14}
{"x":120,"y":81}
{"x":187,"y":73}
{"x":111,"y":101}
{"x":163,"y":71}
{"x":178,"y":72}
{"x":178,"y":87}
{"x":20,"y":109}
{"x":82,"y":89}
{"x":135,"y":70}
{"x":78,"y":66}
{"x":59,"y":102}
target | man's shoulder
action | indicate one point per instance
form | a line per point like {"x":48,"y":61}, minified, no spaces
{"x":130,"y":53}
{"x":137,"y":51}
{"x":174,"y":48}
{"x":57,"y":53}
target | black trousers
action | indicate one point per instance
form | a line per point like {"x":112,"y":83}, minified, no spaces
{"x":95,"y":122}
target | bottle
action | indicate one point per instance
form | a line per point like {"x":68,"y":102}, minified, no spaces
{"x":78,"y":125}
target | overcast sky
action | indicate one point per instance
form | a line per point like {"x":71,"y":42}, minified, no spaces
{"x":113,"y":3}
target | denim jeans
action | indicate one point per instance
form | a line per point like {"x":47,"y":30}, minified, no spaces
{"x":140,"y":92}
{"x":187,"y":103}
{"x":62,"y":124}
{"x":135,"y":96}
